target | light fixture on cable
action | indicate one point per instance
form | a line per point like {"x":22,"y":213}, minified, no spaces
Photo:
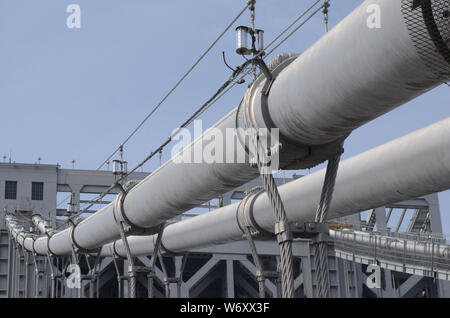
{"x":243,"y":33}
{"x":119,"y":167}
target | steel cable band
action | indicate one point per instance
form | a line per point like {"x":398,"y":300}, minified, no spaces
{"x":249,"y":227}
{"x":120,"y":216}
{"x":162,"y":246}
{"x":280,"y":62}
{"x":115,"y":252}
{"x":244,"y":215}
{"x":33,"y":238}
{"x":275,"y":66}
{"x":23,"y":239}
{"x":50,"y":252}
{"x":72,"y":238}
{"x":32,"y":245}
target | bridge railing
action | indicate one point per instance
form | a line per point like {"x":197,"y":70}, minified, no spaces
{"x":426,"y":255}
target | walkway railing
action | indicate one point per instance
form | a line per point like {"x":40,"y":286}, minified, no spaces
{"x":418,"y":254}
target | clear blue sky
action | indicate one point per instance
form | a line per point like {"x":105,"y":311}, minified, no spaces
{"x":76,"y":93}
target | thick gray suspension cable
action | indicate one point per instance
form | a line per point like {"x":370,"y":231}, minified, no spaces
{"x":96,"y":270}
{"x":119,"y":277}
{"x":36,"y":276}
{"x":321,"y":250}
{"x":177,"y":84}
{"x":259,"y":271}
{"x":156,"y":252}
{"x":92,"y":274}
{"x":321,"y":264}
{"x":180,"y":276}
{"x":282,"y":232}
{"x":52,"y":276}
{"x":131,"y":269}
{"x":91,"y":286}
{"x":166,"y":275}
{"x":247,"y":227}
{"x":327,"y":189}
{"x":122,"y":225}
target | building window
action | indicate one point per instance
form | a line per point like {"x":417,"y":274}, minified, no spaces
{"x":11,"y":190}
{"x":37,"y":191}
